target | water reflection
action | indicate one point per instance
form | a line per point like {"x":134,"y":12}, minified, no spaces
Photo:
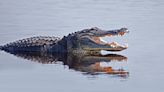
{"x":91,"y":65}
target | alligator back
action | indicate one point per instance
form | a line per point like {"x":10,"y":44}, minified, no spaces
{"x":33,"y":44}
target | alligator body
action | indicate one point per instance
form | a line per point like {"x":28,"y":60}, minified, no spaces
{"x":87,"y":41}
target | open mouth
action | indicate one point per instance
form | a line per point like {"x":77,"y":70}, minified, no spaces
{"x":117,"y":45}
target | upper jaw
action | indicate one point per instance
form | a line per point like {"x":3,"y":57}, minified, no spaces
{"x":117,"y":32}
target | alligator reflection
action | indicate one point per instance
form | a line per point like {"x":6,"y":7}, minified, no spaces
{"x":85,"y":64}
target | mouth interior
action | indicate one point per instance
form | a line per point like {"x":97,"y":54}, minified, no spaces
{"x":113,"y":40}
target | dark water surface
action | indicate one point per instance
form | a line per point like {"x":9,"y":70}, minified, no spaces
{"x":25,"y":18}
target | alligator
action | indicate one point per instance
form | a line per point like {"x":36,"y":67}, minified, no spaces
{"x":86,"y":42}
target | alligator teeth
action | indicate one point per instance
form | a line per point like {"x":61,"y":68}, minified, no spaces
{"x":103,"y":40}
{"x":114,"y":44}
{"x":126,"y":45}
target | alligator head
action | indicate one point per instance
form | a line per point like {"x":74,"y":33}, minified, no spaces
{"x":90,"y":40}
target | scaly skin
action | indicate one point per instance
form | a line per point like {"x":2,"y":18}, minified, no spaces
{"x":86,"y":42}
{"x":33,"y":44}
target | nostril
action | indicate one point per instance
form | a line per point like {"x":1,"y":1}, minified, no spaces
{"x":127,"y":31}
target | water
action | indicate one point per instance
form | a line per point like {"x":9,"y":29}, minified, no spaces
{"x":25,"y":18}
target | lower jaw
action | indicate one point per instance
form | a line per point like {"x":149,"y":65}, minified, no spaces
{"x":107,"y":49}
{"x":94,"y":51}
